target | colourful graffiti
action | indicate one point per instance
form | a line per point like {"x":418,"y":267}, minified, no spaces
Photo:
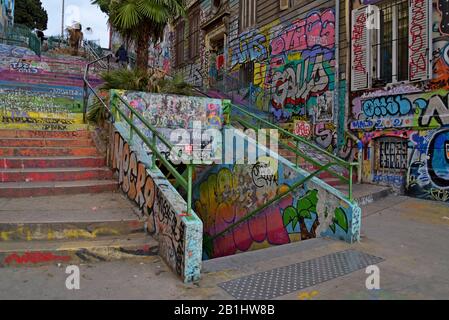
{"x":293,"y":62}
{"x":225,"y":195}
{"x":162,"y":207}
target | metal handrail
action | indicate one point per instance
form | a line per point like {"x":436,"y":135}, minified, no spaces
{"x":88,"y":86}
{"x":187,"y":184}
{"x":297,"y":140}
{"x":255,"y":212}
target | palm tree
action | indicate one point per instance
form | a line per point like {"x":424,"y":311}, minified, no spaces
{"x":141,"y":20}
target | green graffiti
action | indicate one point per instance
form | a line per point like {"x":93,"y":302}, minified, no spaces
{"x":305,"y":206}
{"x":340,"y":220}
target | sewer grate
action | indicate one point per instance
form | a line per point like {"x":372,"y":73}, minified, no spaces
{"x":284,"y":280}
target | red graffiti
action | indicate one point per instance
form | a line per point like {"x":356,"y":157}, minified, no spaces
{"x":358,"y":50}
{"x":316,"y":29}
{"x":35,"y":257}
{"x":302,"y":129}
{"x":418,"y":46}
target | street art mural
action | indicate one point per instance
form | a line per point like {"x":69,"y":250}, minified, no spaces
{"x":226,"y":195}
{"x":164,"y":210}
{"x":294,"y":62}
{"x":404,"y":127}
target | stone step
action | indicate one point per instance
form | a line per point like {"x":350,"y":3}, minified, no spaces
{"x":54,"y":174}
{"x":45,"y":142}
{"x":37,"y":189}
{"x":75,"y":217}
{"x":45,"y":134}
{"x":52,"y":162}
{"x":365,"y":193}
{"x":40,"y":253}
{"x":47,"y":152}
{"x":44,"y":126}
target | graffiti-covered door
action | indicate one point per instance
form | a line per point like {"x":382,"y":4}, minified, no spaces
{"x":390,"y":162}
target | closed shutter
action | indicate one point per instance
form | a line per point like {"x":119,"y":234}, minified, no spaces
{"x":419,"y":39}
{"x":360,"y":50}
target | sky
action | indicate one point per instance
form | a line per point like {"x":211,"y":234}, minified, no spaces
{"x":77,"y":10}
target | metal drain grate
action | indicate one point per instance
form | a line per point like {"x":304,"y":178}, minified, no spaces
{"x":281,"y":281}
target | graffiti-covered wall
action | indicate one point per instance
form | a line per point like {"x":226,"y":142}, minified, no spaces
{"x":179,"y":235}
{"x":404,"y":127}
{"x":226,"y":194}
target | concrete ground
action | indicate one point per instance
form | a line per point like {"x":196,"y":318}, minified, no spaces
{"x":411,"y":235}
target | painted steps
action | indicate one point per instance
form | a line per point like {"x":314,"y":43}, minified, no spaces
{"x":40,"y":163}
{"x":70,"y":229}
{"x":33,"y":254}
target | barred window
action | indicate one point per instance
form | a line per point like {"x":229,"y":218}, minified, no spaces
{"x":179,"y":43}
{"x":247,"y":14}
{"x":194,"y":33}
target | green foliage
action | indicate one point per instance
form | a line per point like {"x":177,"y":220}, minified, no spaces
{"x":31,"y":14}
{"x":177,"y":85}
{"x":140,"y":20}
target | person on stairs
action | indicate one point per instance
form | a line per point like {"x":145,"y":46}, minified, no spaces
{"x":122,"y":56}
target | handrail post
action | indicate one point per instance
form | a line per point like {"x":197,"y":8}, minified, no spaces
{"x":153,"y":156}
{"x":350,"y":183}
{"x":131,"y":130}
{"x":297,"y":154}
{"x":189,"y":188}
{"x":85,"y":100}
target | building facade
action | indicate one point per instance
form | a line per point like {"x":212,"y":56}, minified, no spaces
{"x":6,"y":13}
{"x":340,"y":73}
{"x":399,"y":94}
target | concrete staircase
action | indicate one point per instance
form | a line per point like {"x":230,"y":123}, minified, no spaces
{"x":40,"y":163}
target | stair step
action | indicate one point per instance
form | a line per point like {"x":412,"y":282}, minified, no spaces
{"x":54,"y":174}
{"x":47,"y":152}
{"x":39,"y":253}
{"x":35,"y":189}
{"x":46,"y":142}
{"x":52,"y":162}
{"x":79,"y":134}
{"x":44,"y":126}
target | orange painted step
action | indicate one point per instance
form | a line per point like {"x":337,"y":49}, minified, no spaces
{"x":47,"y":152}
{"x":52,"y":162}
{"x":54,"y":174}
{"x":45,"y":142}
{"x":35,"y":189}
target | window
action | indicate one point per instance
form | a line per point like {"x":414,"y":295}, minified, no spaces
{"x":194,"y":33}
{"x":391,"y":42}
{"x":179,"y":43}
{"x":246,"y":73}
{"x":247,"y":14}
{"x":390,"y":47}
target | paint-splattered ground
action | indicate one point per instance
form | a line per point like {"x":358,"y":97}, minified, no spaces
{"x":411,"y":235}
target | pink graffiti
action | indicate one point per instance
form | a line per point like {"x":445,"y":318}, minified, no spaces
{"x":316,"y":29}
{"x":302,"y":129}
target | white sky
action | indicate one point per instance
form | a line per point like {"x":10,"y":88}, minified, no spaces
{"x":77,"y":10}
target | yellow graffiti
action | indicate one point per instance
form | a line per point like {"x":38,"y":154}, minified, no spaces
{"x":307,"y":295}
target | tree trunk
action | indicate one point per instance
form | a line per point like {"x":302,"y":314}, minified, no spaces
{"x":143,"y":41}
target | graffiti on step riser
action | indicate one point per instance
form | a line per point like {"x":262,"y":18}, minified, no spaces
{"x":14,"y":51}
{"x":140,"y":187}
{"x":6,"y":119}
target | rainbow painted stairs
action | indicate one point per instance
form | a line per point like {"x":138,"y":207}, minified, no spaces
{"x":59,"y":202}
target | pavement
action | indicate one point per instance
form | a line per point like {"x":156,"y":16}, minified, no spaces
{"x":411,"y":235}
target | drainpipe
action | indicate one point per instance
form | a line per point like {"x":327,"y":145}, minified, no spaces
{"x":337,"y":63}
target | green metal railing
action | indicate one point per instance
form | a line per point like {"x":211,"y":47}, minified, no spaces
{"x":335,"y":170}
{"x":152,"y":143}
{"x":22,"y":36}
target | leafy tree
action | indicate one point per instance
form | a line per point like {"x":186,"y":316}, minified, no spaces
{"x":30,"y":13}
{"x":141,"y":20}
